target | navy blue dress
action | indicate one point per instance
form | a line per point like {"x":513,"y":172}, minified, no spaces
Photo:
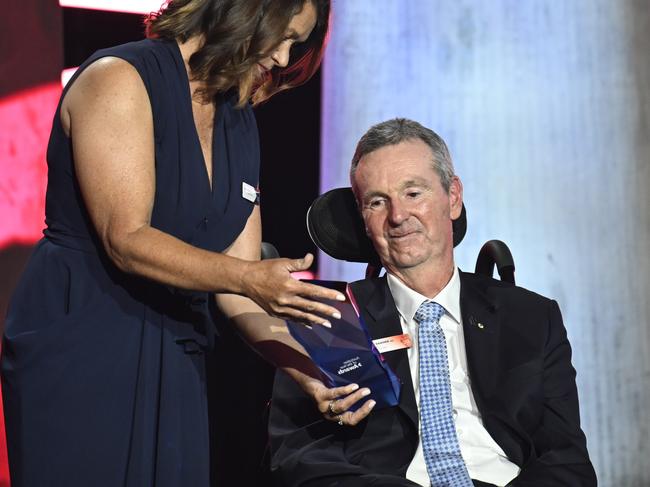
{"x":103,"y":373}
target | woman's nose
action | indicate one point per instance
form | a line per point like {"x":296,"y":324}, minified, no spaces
{"x":281,"y":55}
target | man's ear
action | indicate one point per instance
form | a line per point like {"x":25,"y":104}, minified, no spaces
{"x":455,"y":198}
{"x":359,"y":209}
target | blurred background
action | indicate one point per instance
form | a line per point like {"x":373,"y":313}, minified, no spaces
{"x":545,"y":107}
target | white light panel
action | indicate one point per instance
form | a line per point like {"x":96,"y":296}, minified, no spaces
{"x":126,"y":6}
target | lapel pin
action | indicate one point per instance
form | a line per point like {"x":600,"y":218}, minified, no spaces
{"x":474,"y":322}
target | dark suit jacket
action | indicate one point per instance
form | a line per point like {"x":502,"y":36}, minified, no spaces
{"x":521,"y":375}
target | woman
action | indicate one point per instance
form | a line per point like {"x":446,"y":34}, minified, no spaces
{"x":151,"y":207}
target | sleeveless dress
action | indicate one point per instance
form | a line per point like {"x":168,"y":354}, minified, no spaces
{"x":103,"y":373}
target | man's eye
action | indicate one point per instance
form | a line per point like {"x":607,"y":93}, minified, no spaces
{"x":375,"y":203}
{"x":413,"y":194}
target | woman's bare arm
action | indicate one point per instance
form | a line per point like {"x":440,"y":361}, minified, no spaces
{"x":108,"y":115}
{"x":271,"y":338}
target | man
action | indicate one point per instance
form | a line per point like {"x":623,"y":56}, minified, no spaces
{"x":489,"y":394}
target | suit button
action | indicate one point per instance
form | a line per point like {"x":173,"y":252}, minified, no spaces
{"x":454,"y":413}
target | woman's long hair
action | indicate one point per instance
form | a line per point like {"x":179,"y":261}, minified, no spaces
{"x":237,"y":35}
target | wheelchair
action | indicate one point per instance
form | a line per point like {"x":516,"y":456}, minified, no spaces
{"x":335,"y":226}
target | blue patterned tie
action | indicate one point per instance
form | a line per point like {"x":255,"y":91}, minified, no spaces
{"x":439,"y":442}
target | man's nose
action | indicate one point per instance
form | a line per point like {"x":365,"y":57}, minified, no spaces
{"x":396,"y":212}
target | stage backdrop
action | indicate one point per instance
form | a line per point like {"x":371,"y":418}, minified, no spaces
{"x":546,"y":108}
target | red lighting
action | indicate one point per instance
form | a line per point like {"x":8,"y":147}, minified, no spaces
{"x":303,"y":275}
{"x":25,"y":123}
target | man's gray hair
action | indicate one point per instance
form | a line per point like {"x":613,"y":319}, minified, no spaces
{"x":392,"y":132}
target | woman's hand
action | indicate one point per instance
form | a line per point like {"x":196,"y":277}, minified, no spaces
{"x":270,"y":285}
{"x":333,"y":403}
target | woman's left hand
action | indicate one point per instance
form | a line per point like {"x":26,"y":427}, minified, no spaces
{"x":270,"y":285}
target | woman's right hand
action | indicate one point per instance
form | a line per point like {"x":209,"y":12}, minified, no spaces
{"x":270,"y":285}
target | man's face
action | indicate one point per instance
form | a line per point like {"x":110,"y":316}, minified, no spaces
{"x":407,"y":213}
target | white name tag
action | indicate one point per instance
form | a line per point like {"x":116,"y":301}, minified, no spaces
{"x":248,"y":192}
{"x":397,"y":342}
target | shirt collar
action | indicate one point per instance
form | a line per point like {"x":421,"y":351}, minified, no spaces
{"x":408,"y":301}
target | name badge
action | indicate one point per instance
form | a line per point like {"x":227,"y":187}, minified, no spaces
{"x":249,"y":193}
{"x":397,"y":342}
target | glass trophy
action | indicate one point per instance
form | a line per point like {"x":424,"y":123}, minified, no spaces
{"x":345,"y":353}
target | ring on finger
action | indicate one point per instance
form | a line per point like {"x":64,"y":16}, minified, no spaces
{"x":330,"y":408}
{"x":340,"y":420}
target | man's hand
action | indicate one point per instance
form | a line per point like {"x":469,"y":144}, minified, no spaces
{"x":333,"y":403}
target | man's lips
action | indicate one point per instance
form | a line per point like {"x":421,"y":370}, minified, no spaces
{"x":402,"y":234}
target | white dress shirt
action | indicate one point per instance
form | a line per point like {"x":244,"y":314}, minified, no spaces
{"x":484,"y":458}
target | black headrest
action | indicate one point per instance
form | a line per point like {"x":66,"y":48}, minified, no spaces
{"x":335,"y":226}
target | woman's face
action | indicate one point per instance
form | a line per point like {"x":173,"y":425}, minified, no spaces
{"x":297,"y":31}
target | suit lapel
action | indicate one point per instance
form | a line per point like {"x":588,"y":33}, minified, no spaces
{"x":380,"y":314}
{"x":481,"y":331}
{"x":482,"y":334}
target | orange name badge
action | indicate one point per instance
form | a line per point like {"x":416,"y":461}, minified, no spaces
{"x":397,"y":342}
